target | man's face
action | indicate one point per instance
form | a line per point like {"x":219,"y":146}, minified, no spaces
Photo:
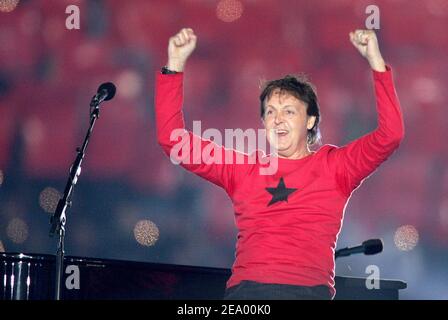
{"x":286,"y":123}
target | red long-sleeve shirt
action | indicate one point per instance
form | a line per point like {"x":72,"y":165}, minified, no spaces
{"x":288,"y":223}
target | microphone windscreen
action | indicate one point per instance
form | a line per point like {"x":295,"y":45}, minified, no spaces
{"x":373,"y":246}
{"x":110,"y":89}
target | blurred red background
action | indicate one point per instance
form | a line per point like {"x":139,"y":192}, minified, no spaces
{"x":49,"y":73}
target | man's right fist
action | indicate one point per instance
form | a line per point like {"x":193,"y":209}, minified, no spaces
{"x":180,"y":48}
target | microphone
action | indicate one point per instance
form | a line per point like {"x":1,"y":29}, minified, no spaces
{"x":105,"y":92}
{"x":368,"y":247}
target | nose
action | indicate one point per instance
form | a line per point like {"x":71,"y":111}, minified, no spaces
{"x":278,"y":118}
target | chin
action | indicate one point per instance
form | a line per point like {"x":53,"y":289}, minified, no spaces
{"x":285,"y":145}
{"x":283,"y":151}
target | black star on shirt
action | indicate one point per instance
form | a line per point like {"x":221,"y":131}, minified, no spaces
{"x":280,"y":193}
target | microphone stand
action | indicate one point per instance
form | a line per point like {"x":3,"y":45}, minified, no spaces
{"x":59,"y":218}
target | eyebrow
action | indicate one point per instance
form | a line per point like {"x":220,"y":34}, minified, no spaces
{"x":282,"y":107}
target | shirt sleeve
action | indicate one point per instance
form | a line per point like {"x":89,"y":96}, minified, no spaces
{"x":202,"y":157}
{"x":355,"y":161}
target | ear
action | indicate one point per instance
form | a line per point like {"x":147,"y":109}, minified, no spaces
{"x":310,"y":122}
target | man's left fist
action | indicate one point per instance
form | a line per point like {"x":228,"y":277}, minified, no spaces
{"x":367,"y":44}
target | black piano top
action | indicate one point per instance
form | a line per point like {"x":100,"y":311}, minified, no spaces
{"x":118,"y":279}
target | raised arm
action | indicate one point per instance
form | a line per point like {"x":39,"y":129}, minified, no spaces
{"x":182,"y":146}
{"x":357,"y":160}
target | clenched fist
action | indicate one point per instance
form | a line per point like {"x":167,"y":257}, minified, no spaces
{"x":367,"y":44}
{"x":180,"y":48}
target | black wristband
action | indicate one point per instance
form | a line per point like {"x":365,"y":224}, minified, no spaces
{"x":165,"y":70}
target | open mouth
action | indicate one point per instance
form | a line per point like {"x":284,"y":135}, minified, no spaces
{"x":281,"y":132}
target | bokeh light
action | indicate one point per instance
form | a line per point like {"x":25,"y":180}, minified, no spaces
{"x":146,"y":233}
{"x":130,"y":84}
{"x":427,"y":90}
{"x":86,"y":54}
{"x":33,"y":132}
{"x":17,"y":230}
{"x":49,"y":198}
{"x":229,"y":10}
{"x":8,"y":5}
{"x":437,"y":7}
{"x":406,"y":237}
